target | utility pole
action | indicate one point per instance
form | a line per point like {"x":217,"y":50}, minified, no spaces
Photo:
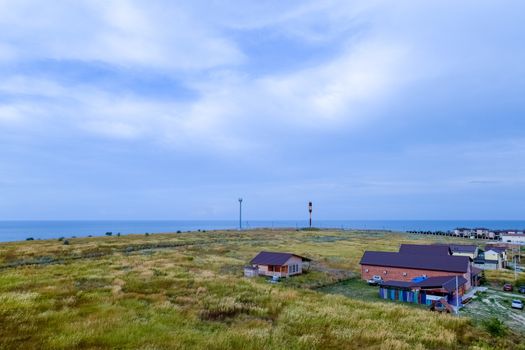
{"x":457,"y":296}
{"x":310,"y":211}
{"x":515,"y":267}
{"x":240,"y":214}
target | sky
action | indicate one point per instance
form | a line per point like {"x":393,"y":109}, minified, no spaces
{"x":175,"y":109}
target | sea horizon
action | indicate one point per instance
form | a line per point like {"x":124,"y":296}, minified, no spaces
{"x":19,"y":230}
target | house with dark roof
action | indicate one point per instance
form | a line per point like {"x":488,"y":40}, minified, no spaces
{"x":421,"y":273}
{"x":425,"y":290}
{"x":470,"y":250}
{"x":414,"y":261}
{"x":424,"y":249}
{"x":490,"y":259}
{"x":276,"y":264}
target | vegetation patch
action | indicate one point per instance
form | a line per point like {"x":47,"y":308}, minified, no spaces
{"x":188,"y":292}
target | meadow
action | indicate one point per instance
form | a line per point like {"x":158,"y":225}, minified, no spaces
{"x":184,"y":291}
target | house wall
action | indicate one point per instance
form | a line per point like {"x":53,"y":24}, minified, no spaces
{"x":397,"y":274}
{"x":470,"y":255}
{"x":487,"y":266}
{"x":264,"y":269}
{"x":491,"y":255}
{"x":295,"y":261}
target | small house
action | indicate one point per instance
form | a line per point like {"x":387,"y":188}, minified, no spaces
{"x":491,"y":259}
{"x":278,"y":264}
{"x":423,"y":290}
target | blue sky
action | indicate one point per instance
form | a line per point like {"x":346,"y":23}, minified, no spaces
{"x":172,"y":110}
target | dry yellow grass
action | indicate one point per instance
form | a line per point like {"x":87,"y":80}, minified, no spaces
{"x":183,"y":291}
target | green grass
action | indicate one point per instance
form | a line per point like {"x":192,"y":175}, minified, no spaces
{"x":184,"y":291}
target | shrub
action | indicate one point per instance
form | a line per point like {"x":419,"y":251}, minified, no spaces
{"x":495,"y":327}
{"x":147,"y":234}
{"x":66,"y":242}
{"x":30,"y":239}
{"x":109,"y":233}
{"x":118,"y":234}
{"x":61,"y":239}
{"x":178,"y":231}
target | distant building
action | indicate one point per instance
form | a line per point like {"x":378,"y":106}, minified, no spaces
{"x":513,"y":238}
{"x":491,"y":259}
{"x":501,"y":248}
{"x":482,"y":232}
{"x":277,"y":264}
{"x":463,"y":232}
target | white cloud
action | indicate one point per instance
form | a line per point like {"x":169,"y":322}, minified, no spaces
{"x":232,"y":107}
{"x":124,"y":33}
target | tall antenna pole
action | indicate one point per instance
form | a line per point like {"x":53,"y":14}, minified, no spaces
{"x":310,"y":211}
{"x":240,"y":214}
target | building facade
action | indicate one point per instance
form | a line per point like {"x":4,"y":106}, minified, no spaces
{"x":278,"y":264}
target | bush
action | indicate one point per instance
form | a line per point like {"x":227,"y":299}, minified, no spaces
{"x":147,"y":234}
{"x":30,"y":239}
{"x":66,"y":242}
{"x":495,"y":327}
{"x":109,"y":233}
{"x":118,"y":234}
{"x":61,"y":239}
{"x":178,"y":231}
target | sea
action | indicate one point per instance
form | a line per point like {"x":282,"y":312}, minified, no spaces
{"x":12,"y":230}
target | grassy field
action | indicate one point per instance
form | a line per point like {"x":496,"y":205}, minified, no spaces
{"x":180,"y":291}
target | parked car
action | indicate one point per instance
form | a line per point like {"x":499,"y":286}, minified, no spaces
{"x":517,"y":304}
{"x":440,"y":306}
{"x":507,"y":287}
{"x":375,"y":280}
{"x":521,"y":289}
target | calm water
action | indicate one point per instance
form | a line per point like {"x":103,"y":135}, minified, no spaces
{"x":20,"y":230}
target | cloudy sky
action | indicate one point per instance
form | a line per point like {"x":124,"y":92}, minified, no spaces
{"x":174,"y":109}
